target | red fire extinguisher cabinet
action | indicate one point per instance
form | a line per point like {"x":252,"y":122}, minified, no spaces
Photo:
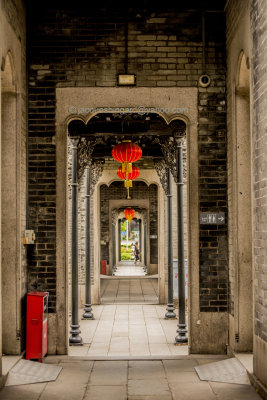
{"x":36,"y":325}
{"x":103,"y":270}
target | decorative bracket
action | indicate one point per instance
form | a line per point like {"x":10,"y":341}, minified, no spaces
{"x":96,"y":168}
{"x":85,"y":150}
{"x":144,"y":215}
{"x":169,"y":148}
{"x":162,"y":171}
{"x":114,"y":215}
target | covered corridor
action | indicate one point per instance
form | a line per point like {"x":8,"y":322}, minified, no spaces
{"x":131,"y":130}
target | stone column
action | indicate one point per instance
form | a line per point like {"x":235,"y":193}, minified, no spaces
{"x":145,"y":239}
{"x":164,"y":174}
{"x":114,"y":215}
{"x":119,"y":241}
{"x":88,"y":307}
{"x":182,"y":328}
{"x":170,"y":314}
{"x":75,"y":339}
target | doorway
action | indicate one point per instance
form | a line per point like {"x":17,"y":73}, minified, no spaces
{"x":189,"y":98}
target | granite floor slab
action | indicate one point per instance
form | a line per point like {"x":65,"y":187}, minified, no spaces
{"x":129,"y":380}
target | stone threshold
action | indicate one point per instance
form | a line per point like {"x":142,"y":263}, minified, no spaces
{"x":66,"y":358}
{"x":121,"y":277}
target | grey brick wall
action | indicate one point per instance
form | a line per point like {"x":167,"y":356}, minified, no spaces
{"x":259,"y":88}
{"x":85,"y":47}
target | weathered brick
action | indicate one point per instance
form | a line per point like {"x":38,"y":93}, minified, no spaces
{"x":92,"y":56}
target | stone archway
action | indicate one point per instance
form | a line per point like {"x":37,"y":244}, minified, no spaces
{"x":178,"y":103}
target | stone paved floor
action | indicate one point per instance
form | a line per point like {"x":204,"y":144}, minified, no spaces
{"x":129,"y":380}
{"x":128,"y":330}
{"x":129,"y":270}
{"x":133,"y":291}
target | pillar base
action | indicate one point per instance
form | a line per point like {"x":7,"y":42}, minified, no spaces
{"x":88,"y":312}
{"x":182,"y":337}
{"x":170,"y":314}
{"x":75,"y":339}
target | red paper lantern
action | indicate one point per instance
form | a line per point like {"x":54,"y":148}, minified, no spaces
{"x":127,"y":153}
{"x":129,"y":213}
{"x":131,"y":175}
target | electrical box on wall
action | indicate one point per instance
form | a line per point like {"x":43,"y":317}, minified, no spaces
{"x":29,"y":236}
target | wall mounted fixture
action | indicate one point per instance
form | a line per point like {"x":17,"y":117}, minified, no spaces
{"x":126,"y":79}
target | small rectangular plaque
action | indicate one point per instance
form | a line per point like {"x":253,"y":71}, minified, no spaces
{"x":126,"y":80}
{"x":153,"y":236}
{"x":210,"y":218}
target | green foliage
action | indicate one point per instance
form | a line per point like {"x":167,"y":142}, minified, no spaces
{"x":125,"y":256}
{"x":123,"y":226}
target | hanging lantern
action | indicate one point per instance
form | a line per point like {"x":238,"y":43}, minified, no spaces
{"x":128,"y":177}
{"x":129,"y":213}
{"x":127,"y":153}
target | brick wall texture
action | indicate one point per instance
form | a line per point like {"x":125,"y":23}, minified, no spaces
{"x":259,"y":123}
{"x":85,"y":47}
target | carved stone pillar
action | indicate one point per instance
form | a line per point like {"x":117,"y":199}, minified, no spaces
{"x":114,"y":216}
{"x":170,"y":314}
{"x":181,"y":337}
{"x":88,"y":307}
{"x":144,"y":218}
{"x":172,"y":148}
{"x":119,"y":241}
{"x":75,"y":339}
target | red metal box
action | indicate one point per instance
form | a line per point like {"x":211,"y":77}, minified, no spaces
{"x":103,"y":270}
{"x":36,"y":325}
